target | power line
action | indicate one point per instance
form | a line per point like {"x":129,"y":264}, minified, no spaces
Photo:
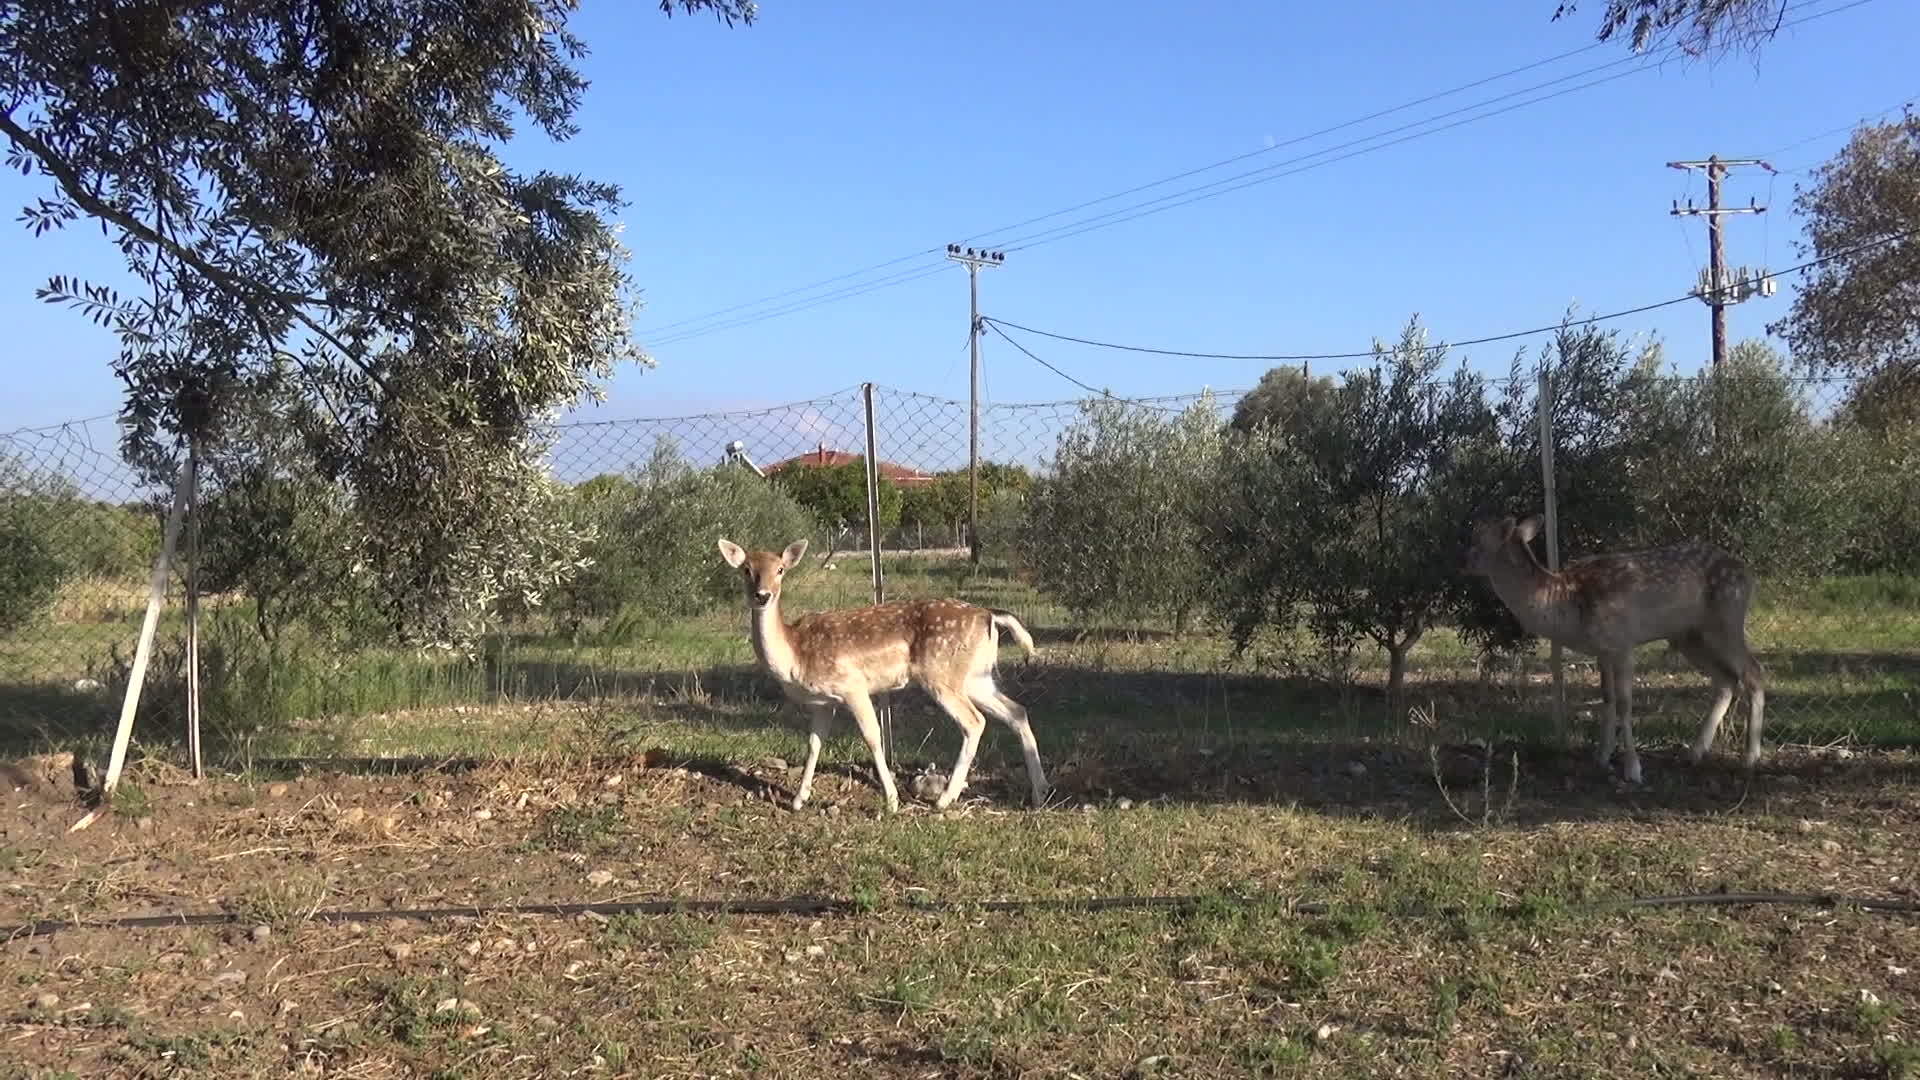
{"x":1223,"y":162}
{"x":1269,"y":173}
{"x":1490,"y":338}
{"x":1907,"y":104}
{"x":1263,"y":175}
{"x":994,"y":325}
{"x":849,"y":292}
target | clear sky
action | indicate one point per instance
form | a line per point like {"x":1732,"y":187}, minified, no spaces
{"x":831,"y":137}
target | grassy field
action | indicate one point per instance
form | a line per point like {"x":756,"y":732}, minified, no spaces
{"x":1843,"y":658}
{"x":1376,"y":898}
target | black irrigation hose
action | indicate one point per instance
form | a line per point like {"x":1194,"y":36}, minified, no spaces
{"x":831,"y":906}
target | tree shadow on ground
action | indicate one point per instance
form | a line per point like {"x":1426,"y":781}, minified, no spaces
{"x":1188,"y":738}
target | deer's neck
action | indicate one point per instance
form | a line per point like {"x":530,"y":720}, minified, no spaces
{"x":771,"y":642}
{"x":1539,"y":599}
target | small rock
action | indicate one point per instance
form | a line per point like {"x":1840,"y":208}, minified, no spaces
{"x":287,"y":1005}
{"x":482,"y":814}
{"x":356,"y":927}
{"x":353,"y":816}
{"x":455,"y":1005}
{"x":277,"y":791}
{"x":1829,"y":846}
{"x":261,"y":933}
{"x":1356,"y":770}
{"x":833,"y":809}
{"x":777,"y":764}
{"x":1803,"y":825}
{"x":399,"y":950}
{"x":230,"y":978}
{"x":611,"y":781}
{"x":816,"y":950}
{"x":1086,"y":808}
{"x":600,"y":878}
{"x":609,"y":797}
{"x":1324,"y":1032}
{"x":1869,"y":998}
{"x":1124,"y":804}
{"x":47,"y":1002}
{"x":143,"y":824}
{"x":542,"y":1020}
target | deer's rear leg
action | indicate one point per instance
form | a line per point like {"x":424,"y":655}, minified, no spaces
{"x":1609,"y":712}
{"x":971,"y":724}
{"x":1623,"y":697}
{"x":862,"y":708}
{"x":1701,"y":653}
{"x":988,"y":698}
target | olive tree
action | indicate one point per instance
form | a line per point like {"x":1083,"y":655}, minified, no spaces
{"x":1114,"y":530}
{"x":314,"y":192}
{"x":1352,"y":516}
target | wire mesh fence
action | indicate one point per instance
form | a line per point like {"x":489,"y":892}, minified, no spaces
{"x":1284,"y":563}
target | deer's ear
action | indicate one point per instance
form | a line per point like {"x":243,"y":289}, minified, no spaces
{"x":732,"y":552}
{"x":1527,"y":529}
{"x":792,"y":556}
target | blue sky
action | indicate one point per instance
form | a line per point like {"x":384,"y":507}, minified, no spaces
{"x":828,"y":138}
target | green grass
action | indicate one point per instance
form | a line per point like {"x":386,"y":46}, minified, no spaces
{"x":1843,"y":657}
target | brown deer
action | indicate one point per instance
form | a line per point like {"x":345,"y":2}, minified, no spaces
{"x":1694,"y":596}
{"x":948,"y":647}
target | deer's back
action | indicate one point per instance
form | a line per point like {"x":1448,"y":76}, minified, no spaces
{"x":1625,"y":598}
{"x":885,"y":645}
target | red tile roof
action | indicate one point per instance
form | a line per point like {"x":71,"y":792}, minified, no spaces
{"x":824,"y":458}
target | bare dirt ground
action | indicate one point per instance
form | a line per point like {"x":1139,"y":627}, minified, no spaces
{"x":1444,"y":947}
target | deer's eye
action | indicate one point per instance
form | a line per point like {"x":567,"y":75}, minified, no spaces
{"x":780,"y":571}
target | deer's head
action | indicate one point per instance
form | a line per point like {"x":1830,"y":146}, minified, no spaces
{"x":762,"y":570}
{"x":1501,"y":542}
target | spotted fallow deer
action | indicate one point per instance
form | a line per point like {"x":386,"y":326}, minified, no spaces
{"x":1694,"y":596}
{"x":948,"y":647}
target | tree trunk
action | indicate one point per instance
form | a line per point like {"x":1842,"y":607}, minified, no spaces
{"x":1397,"y":680}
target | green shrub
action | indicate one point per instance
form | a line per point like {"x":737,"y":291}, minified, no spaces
{"x":31,"y":571}
{"x":1114,"y":531}
{"x":654,"y":553}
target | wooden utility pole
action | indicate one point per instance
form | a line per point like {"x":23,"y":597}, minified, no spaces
{"x":1718,"y":288}
{"x":973,"y":261}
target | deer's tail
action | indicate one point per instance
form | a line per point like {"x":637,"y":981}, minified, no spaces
{"x":1008,"y":621}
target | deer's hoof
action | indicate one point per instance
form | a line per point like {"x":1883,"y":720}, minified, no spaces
{"x":799,"y":802}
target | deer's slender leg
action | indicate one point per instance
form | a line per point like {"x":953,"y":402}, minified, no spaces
{"x":1610,"y":707}
{"x":1623,"y":689}
{"x":1606,"y":717}
{"x":971,"y":725}
{"x":861,"y":706}
{"x":820,"y":720}
{"x":1705,"y":654}
{"x":989,"y":699}
{"x":1757,"y":710}
{"x":1722,"y":699}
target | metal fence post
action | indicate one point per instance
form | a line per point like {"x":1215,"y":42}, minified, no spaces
{"x":885,"y":708}
{"x":1561,"y":730}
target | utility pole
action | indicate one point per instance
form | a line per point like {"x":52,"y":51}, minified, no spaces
{"x":1718,"y":288}
{"x":973,"y":261}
